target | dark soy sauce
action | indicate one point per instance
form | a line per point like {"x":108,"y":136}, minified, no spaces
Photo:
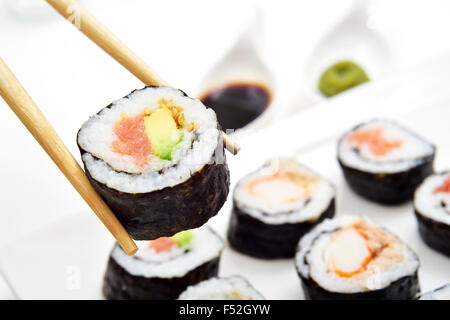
{"x":237,"y":104}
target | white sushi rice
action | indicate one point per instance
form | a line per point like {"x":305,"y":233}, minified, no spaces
{"x":430,"y":204}
{"x":220,"y":289}
{"x":304,"y":209}
{"x":119,"y":171}
{"x":205,"y":246}
{"x":311,"y":262}
{"x":410,"y":154}
{"x":442,"y":293}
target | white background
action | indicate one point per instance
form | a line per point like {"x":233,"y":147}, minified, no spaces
{"x":70,"y":78}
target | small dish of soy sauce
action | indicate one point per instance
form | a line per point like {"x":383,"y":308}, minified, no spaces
{"x":240,"y":87}
{"x":238,"y":103}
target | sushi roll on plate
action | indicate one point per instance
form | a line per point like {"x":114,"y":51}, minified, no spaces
{"x":441,"y":293}
{"x":432,"y":209}
{"x":275,"y":206}
{"x":156,"y":157}
{"x":384,"y":162}
{"x":163,"y":268}
{"x":229,"y":288}
{"x":349,"y":257}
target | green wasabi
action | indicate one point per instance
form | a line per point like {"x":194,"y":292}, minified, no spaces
{"x":340,"y":77}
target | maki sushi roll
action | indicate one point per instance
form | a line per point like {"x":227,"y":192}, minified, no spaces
{"x":229,"y":288}
{"x":350,"y":257}
{"x":156,"y":157}
{"x":432,"y":208}
{"x":384,"y":162}
{"x":441,"y":293}
{"x":275,"y":206}
{"x":163,"y":268}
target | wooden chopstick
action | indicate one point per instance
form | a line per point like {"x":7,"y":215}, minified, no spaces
{"x":105,"y":39}
{"x":30,"y":115}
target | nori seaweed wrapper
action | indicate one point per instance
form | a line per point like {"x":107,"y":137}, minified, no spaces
{"x":388,"y":188}
{"x":434,"y":233}
{"x":118,"y":284}
{"x":165,"y":212}
{"x":253,"y":237}
{"x":405,"y":288}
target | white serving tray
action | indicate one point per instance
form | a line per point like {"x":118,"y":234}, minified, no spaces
{"x":67,"y":259}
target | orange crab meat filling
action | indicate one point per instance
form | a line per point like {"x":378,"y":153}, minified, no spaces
{"x":375,"y":140}
{"x":276,"y":189}
{"x":132,"y":139}
{"x":348,"y":252}
{"x":445,"y":187}
{"x":162,"y":244}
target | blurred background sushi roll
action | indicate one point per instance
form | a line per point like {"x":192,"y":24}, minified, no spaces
{"x":432,"y":209}
{"x":156,"y":157}
{"x":384,"y":162}
{"x":441,"y":293}
{"x":228,"y":288}
{"x":163,"y":268}
{"x":275,"y":206}
{"x":349,"y":257}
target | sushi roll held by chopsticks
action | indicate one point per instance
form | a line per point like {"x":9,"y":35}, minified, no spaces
{"x":156,"y":157}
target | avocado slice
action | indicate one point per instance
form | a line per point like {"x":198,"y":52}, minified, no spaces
{"x":162,"y":132}
{"x":183,"y":238}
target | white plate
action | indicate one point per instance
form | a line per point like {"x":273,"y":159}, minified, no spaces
{"x":67,"y":259}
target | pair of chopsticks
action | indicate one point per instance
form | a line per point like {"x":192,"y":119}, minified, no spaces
{"x":29,"y":114}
